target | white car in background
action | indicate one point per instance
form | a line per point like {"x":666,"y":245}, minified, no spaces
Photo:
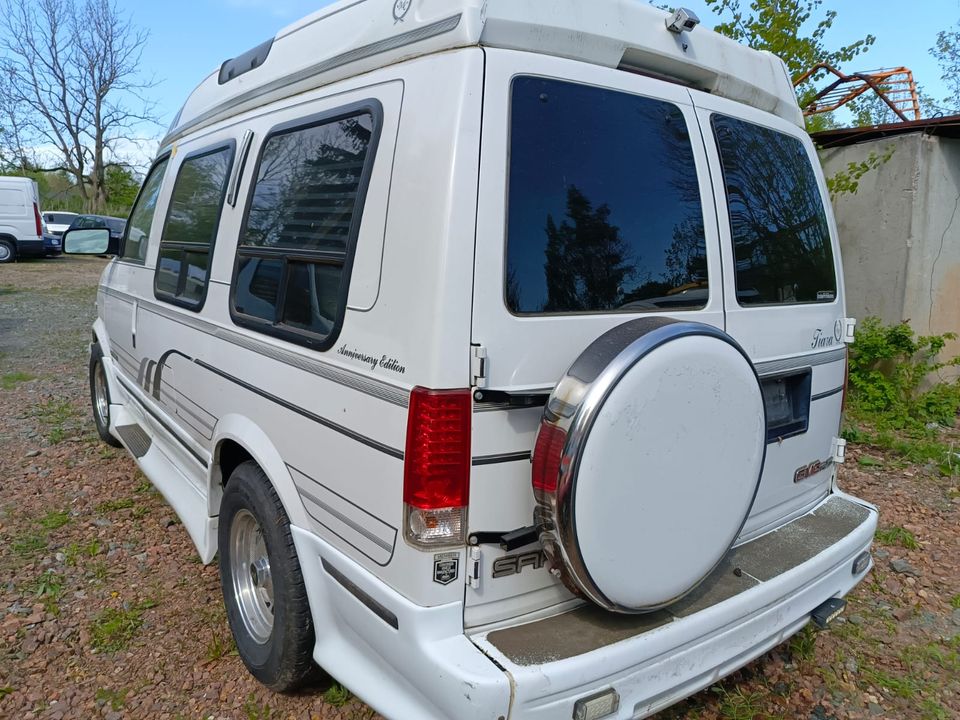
{"x":58,"y":221}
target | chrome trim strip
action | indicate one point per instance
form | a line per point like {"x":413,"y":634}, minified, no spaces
{"x":360,"y":53}
{"x":500,"y":458}
{"x":368,"y":386}
{"x":772,"y":367}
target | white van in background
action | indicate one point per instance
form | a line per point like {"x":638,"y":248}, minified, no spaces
{"x":497,"y":347}
{"x":21,"y":225}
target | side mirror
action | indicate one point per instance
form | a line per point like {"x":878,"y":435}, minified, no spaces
{"x":79,"y":241}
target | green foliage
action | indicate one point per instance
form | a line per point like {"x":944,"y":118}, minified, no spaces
{"x":794,"y":30}
{"x":114,"y":628}
{"x":54,"y":519}
{"x":49,"y":588}
{"x":11,"y":380}
{"x":114,"y":697}
{"x":847,"y":182}
{"x":29,"y":544}
{"x":121,"y":186}
{"x":114,"y":505}
{"x":739,"y":705}
{"x":955,"y":602}
{"x":337,"y":695}
{"x":898,"y":536}
{"x":803,"y":645}
{"x":255,"y":711}
{"x":946,"y":52}
{"x":888,"y":367}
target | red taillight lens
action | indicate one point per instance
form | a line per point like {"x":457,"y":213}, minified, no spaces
{"x":36,"y":217}
{"x":547,"y":454}
{"x":436,"y":472}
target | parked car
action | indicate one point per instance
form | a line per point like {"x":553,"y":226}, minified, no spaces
{"x":51,"y":244}
{"x":58,"y":221}
{"x":515,"y":400}
{"x":88,"y":222}
{"x":21,"y":227}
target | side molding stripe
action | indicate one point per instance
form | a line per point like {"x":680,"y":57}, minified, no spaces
{"x":376,"y":608}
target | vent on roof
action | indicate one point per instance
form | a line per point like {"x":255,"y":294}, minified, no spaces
{"x":250,"y":60}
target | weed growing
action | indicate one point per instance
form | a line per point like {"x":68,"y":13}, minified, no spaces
{"x":54,"y":519}
{"x":115,"y":628}
{"x":898,"y":536}
{"x":10,"y":380}
{"x":337,"y":695}
{"x":114,"y":505}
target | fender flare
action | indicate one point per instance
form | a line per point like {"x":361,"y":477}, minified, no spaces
{"x":251,"y":437}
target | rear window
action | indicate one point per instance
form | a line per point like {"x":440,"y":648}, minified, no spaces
{"x":604,"y":205}
{"x":779,"y":228}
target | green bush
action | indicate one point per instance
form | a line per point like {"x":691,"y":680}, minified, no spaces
{"x":888,"y":368}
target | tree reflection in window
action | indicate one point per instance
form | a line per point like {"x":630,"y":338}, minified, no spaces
{"x":780,"y":234}
{"x":604,"y":203}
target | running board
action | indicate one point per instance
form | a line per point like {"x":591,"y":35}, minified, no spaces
{"x":134,"y":438}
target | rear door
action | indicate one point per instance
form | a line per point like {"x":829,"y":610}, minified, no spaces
{"x":595,"y":207}
{"x":782,"y":281}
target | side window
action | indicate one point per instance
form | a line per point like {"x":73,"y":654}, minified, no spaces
{"x":781,"y":239}
{"x":137,"y":238}
{"x":183,"y":265}
{"x":296,"y":247}
{"x":604,"y":209}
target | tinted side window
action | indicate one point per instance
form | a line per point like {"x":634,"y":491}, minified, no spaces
{"x":191,"y":227}
{"x":604,"y":205}
{"x":294,"y":254}
{"x":780,"y":234}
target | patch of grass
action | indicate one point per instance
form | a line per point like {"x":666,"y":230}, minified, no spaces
{"x":10,"y":380}
{"x":905,"y":687}
{"x":739,"y":705}
{"x":54,"y":415}
{"x":932,"y":710}
{"x":868,"y":461}
{"x":114,"y":697}
{"x":220,"y":646}
{"x":74,"y":550}
{"x":6,"y":689}
{"x":897,"y":535}
{"x":255,"y":711}
{"x":955,"y":602}
{"x":54,"y":519}
{"x":29,"y":544}
{"x":49,"y":588}
{"x":114,"y":505}
{"x":144,"y":486}
{"x":803,"y":645}
{"x":337,"y":695}
{"x":139,"y":511}
{"x":7,"y":290}
{"x":115,"y":628}
{"x":99,"y":571}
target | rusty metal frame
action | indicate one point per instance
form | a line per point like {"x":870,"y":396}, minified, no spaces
{"x":895,"y":86}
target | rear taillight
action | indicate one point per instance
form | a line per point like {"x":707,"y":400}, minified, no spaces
{"x":38,"y":220}
{"x":547,"y":454}
{"x":436,"y":471}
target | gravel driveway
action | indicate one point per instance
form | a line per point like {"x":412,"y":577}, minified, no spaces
{"x":105,"y":611}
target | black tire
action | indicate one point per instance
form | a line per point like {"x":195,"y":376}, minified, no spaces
{"x":8,"y":251}
{"x":101,"y":417}
{"x":283,"y":660}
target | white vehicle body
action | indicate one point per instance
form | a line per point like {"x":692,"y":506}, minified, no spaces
{"x":467,"y":629}
{"x":21,"y":226}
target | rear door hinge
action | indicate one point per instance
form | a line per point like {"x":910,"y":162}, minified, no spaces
{"x":839,"y":450}
{"x":478,"y":366}
{"x":473,"y":567}
{"x":849,"y":330}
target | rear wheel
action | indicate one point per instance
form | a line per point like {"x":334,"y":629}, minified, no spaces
{"x":100,"y":396}
{"x":8,"y":252}
{"x":262,"y":583}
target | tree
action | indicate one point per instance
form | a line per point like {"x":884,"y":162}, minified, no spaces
{"x":778,"y":27}
{"x":69,"y":84}
{"x":121,"y":186}
{"x":946,"y":51}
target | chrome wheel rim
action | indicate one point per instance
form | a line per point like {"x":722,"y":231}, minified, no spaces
{"x":101,"y":401}
{"x":5,"y":253}
{"x":250,"y":576}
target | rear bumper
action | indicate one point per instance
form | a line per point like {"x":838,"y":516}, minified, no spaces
{"x":411,"y":662}
{"x":30,"y":248}
{"x":675,"y":653}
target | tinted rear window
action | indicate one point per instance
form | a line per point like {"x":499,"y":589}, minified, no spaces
{"x":604,"y":204}
{"x":780,"y":234}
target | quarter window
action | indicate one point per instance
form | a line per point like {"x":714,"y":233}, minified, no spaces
{"x":137,"y":238}
{"x":781,"y":239}
{"x":296,"y":247}
{"x":183,"y":265}
{"x":604,"y":204}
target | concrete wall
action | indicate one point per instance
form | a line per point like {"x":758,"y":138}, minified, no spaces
{"x":900,"y":232}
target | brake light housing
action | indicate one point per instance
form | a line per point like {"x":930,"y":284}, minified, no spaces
{"x":37,"y":219}
{"x":436,"y":467}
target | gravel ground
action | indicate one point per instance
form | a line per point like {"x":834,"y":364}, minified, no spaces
{"x":105,"y":611}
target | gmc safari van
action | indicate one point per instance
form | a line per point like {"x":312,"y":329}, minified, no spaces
{"x":497,"y":349}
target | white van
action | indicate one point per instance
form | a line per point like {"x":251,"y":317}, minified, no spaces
{"x":21,"y":226}
{"x":498,"y":347}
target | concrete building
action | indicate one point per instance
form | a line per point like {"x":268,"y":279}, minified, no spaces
{"x":900,"y":232}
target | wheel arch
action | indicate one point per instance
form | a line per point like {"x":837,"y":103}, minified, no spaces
{"x":237,"y":438}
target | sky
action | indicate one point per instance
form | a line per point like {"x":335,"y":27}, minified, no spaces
{"x":189,"y":38}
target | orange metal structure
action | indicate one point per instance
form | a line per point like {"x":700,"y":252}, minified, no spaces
{"x":895,"y":86}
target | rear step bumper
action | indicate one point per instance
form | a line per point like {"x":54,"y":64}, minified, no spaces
{"x":762,"y":593}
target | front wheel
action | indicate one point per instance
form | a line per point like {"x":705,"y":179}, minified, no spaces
{"x":262,"y":583}
{"x":100,"y":396}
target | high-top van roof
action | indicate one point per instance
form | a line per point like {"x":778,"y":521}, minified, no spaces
{"x":356,"y":36}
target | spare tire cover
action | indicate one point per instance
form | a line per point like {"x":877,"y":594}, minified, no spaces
{"x":647,"y":462}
